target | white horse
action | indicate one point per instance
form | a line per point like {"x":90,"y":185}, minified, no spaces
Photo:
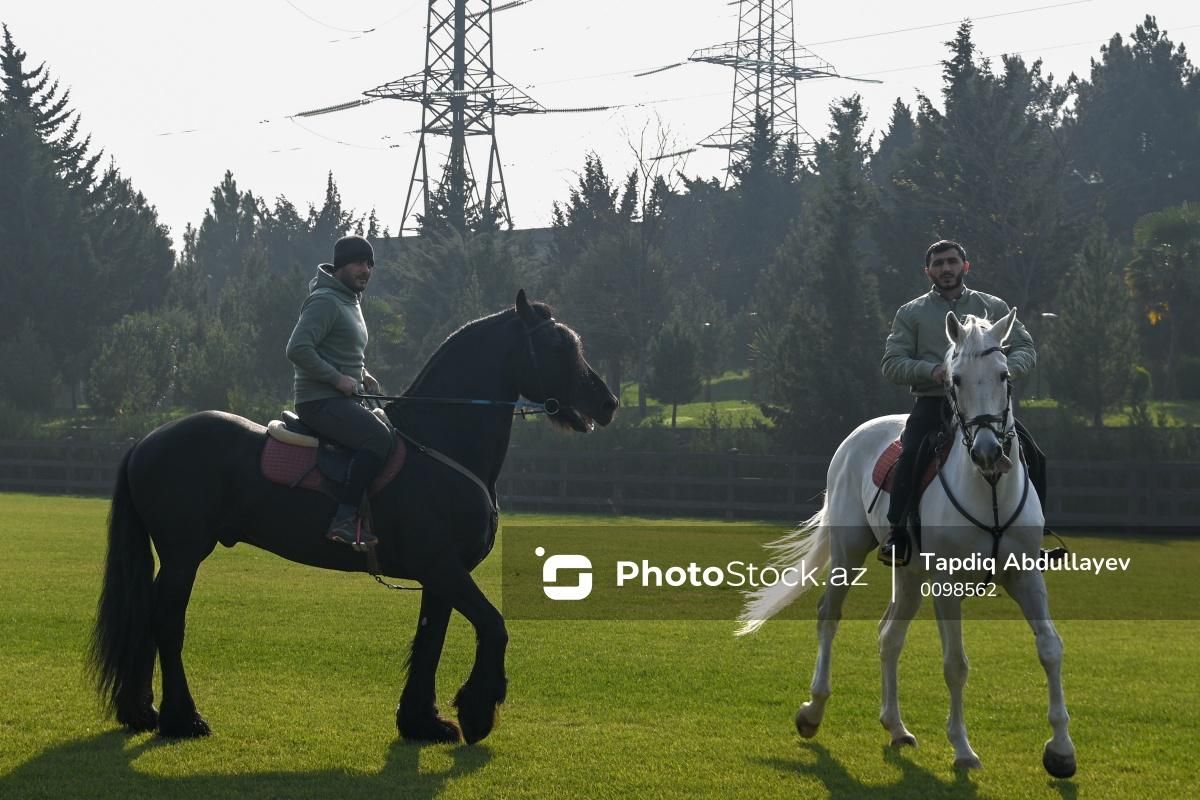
{"x":979,"y":491}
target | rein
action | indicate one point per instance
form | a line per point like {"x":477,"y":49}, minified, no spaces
{"x":1005,"y":435}
{"x":521,"y":407}
{"x":550,"y":406}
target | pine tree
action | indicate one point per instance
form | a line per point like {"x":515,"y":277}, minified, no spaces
{"x":1093,"y":346}
{"x":35,"y":94}
{"x":822,"y":328}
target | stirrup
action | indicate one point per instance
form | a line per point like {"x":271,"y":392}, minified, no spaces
{"x":896,"y":551}
{"x":353,"y":531}
{"x":1054,"y":555}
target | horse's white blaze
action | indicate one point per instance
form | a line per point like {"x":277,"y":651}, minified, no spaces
{"x":842,"y":534}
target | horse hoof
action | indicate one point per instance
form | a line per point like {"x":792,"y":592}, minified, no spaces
{"x":140,"y":721}
{"x":968,"y":762}
{"x":804,"y":726}
{"x":478,"y":710}
{"x":193,"y":727}
{"x":904,"y":740}
{"x":432,"y":729}
{"x":1057,"y":765}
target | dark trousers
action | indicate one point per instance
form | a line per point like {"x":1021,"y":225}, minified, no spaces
{"x":346,"y":422}
{"x":926,"y":419}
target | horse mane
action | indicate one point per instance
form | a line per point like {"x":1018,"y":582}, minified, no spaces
{"x":469,"y":330}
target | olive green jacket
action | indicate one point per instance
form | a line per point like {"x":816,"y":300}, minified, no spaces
{"x":918,"y":340}
{"x":329,"y":339}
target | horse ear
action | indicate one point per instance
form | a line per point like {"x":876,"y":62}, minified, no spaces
{"x":954,"y":328}
{"x":524,"y":310}
{"x":1004,"y":325}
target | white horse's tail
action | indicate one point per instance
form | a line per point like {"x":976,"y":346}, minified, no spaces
{"x":808,"y":545}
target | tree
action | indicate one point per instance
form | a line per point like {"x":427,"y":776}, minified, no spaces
{"x":675,"y":371}
{"x":35,"y":95}
{"x":1165,"y":278}
{"x":817,"y":349}
{"x":901,"y":229}
{"x":1134,"y":133}
{"x":1094,"y":347}
{"x":136,"y":367}
{"x":133,"y":249}
{"x":227,"y":234}
{"x":990,"y":169}
{"x":765,"y":201}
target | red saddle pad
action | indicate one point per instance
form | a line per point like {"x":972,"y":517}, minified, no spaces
{"x":884,"y":474}
{"x":293,"y":465}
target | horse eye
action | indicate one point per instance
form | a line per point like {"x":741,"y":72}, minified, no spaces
{"x":957,"y":380}
{"x":1004,"y":376}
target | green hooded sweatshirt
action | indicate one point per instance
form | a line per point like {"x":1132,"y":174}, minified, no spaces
{"x":329,"y":340}
{"x":918,"y":340}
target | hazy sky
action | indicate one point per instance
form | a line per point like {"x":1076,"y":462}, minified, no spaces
{"x":178,"y":93}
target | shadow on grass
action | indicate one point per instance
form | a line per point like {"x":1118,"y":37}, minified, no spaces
{"x":915,"y":781}
{"x":102,"y":766}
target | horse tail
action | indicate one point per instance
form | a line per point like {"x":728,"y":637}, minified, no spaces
{"x":122,"y":646}
{"x":808,"y":544}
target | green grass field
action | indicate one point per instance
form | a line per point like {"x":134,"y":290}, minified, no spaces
{"x":298,"y":670}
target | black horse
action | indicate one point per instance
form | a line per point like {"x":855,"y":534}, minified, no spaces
{"x":195,"y":482}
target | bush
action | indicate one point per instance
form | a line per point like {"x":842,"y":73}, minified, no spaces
{"x":209,"y":369}
{"x":136,"y":368}
{"x":1187,"y":378}
{"x":17,"y":424}
{"x":27,"y":375}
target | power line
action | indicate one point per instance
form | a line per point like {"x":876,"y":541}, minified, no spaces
{"x":948,"y":22}
{"x":361,"y":31}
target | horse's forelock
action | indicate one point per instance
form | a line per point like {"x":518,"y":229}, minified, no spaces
{"x":975,"y":340}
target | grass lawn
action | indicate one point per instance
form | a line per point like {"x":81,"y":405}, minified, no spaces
{"x":298,"y":671}
{"x":1176,"y":413}
{"x":730,"y":401}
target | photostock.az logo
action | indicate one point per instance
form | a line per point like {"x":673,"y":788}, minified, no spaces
{"x":554,"y":564}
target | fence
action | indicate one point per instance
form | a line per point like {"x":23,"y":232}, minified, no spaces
{"x":730,"y":485}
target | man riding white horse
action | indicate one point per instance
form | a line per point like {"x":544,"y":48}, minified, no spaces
{"x":913,"y":356}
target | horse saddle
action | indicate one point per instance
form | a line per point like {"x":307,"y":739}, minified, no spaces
{"x":884,"y":474}
{"x":296,"y":455}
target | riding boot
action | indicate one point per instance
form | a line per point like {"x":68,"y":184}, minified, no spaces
{"x":349,"y":525}
{"x":895,"y":552}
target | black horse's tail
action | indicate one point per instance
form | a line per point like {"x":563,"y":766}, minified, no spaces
{"x":122,"y":649}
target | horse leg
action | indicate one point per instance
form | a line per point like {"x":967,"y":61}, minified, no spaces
{"x":850,"y":539}
{"x":1028,"y":588}
{"x":829,"y":614}
{"x":178,"y":717}
{"x":417,"y":715}
{"x":954,"y":668}
{"x":892,"y":630}
{"x":485,"y":688}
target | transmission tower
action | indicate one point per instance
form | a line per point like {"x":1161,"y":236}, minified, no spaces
{"x":767,"y":62}
{"x":460,"y":96}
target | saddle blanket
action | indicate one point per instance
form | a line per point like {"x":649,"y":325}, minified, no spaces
{"x":884,"y":474}
{"x":295,"y":465}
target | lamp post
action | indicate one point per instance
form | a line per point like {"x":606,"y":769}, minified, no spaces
{"x":1046,"y":317}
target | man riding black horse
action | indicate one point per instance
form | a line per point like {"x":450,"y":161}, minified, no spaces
{"x":328,"y":348}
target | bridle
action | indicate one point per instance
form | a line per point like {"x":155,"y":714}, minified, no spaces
{"x":1005,"y":435}
{"x":551,"y":404}
{"x":999,"y":425}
